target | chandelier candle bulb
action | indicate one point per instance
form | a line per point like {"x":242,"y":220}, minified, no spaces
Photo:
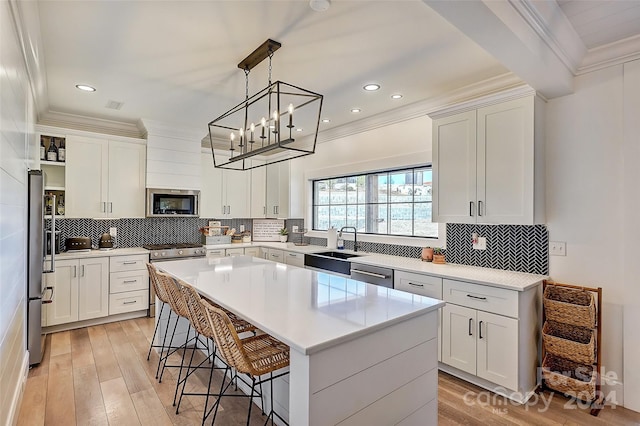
{"x":241,"y":137}
{"x":232,"y":137}
{"x":275,"y":122}
{"x":253,"y":128}
{"x":290,"y":115}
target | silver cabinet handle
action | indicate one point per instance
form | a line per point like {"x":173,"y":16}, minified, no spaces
{"x":479,"y":208}
{"x":104,"y":207}
{"x":371,"y":274}
{"x":130,"y":302}
{"x":129,"y":281}
{"x":480,"y":330}
{"x":82,"y":271}
{"x":110,"y":207}
{"x":50,"y":300}
{"x":470,"y":326}
{"x":264,"y":209}
{"x":416,"y":285}
{"x":470,"y":208}
{"x":476,"y":297}
{"x":75,"y":271}
{"x":129,"y":263}
{"x":229,"y":209}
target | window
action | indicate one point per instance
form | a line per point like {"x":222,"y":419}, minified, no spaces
{"x":395,"y":202}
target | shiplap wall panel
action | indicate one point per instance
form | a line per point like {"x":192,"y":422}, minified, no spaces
{"x":16,"y":132}
{"x":173,"y":163}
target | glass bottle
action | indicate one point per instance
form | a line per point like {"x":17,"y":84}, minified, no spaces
{"x":60,"y":205}
{"x":43,"y":149}
{"x":52,"y":153}
{"x":62,"y":151}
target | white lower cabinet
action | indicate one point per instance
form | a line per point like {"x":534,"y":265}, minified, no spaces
{"x":275,"y":255}
{"x":128,"y":284}
{"x":80,"y":290}
{"x":490,"y":336}
{"x":293,"y":258}
{"x":216,"y":252}
{"x":252,"y":251}
{"x":234,"y":251}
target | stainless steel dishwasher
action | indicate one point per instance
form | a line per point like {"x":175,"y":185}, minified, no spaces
{"x":372,"y":274}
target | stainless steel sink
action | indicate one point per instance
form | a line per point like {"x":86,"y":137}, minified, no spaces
{"x":334,"y":261}
{"x":337,"y":254}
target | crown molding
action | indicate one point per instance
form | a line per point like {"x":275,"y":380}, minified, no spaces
{"x":67,"y":131}
{"x":148,"y":127}
{"x":492,"y":99}
{"x":611,"y":54}
{"x":551,"y":25}
{"x":89,"y":124}
{"x":26,"y":24}
{"x":425,"y":107}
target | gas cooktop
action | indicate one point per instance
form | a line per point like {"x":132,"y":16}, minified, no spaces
{"x":174,"y":251}
{"x":171,"y":246}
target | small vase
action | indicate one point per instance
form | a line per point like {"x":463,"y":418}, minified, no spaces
{"x":283,"y":238}
{"x":427,"y":254}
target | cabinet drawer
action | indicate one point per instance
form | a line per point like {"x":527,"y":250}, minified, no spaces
{"x":234,"y":251}
{"x":424,"y":285}
{"x":128,"y":302}
{"x":128,"y":263}
{"x":215,"y":253}
{"x":252,"y":251}
{"x":485,"y":298}
{"x":295,"y":259}
{"x":128,"y":281}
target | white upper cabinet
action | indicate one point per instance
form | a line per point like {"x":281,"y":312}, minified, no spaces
{"x":258,"y":191}
{"x":225,"y":193}
{"x":104,"y":178}
{"x":277,"y":190}
{"x":488,"y":164}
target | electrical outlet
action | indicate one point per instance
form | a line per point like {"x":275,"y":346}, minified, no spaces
{"x":557,"y":248}
{"x":113,"y":231}
{"x":294,"y":228}
{"x":241,"y":228}
{"x":481,"y":244}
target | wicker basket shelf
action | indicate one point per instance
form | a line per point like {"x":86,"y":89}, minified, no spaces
{"x":570,"y":306}
{"x":571,"y":338}
{"x":569,"y":341}
{"x":571,"y":378}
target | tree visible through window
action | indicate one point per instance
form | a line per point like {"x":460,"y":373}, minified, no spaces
{"x":396,"y":202}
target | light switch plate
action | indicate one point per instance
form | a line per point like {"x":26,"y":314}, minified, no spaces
{"x":481,"y":244}
{"x":557,"y":248}
{"x":294,"y":228}
{"x":241,"y":228}
{"x":113,"y":231}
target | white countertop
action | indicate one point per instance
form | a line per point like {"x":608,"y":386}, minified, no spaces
{"x":125,"y":251}
{"x":512,"y":280}
{"x":307,"y":310}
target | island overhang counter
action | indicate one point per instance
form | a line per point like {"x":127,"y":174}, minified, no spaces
{"x":360,"y":354}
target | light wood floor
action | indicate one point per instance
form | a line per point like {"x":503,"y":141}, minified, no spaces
{"x":100,"y":375}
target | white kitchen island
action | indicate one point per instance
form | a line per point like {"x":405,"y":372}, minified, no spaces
{"x":360,"y":354}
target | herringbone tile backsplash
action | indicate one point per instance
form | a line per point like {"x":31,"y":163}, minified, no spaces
{"x":512,"y":247}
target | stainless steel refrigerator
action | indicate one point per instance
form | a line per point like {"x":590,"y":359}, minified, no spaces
{"x":36,"y":290}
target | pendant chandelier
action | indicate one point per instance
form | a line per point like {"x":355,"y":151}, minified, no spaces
{"x":278,"y":123}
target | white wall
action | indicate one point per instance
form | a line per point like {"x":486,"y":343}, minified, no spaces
{"x":16,"y":135}
{"x":407,"y":143}
{"x":588,"y":203}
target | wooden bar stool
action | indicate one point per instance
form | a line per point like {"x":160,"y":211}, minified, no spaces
{"x":254,"y":357}
{"x":159,"y":288}
{"x":179,"y":307}
{"x":200,"y":323}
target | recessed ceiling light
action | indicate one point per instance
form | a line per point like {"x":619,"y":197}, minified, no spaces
{"x":326,"y":120}
{"x":85,"y":88}
{"x":298,"y":129}
{"x":355,"y":110}
{"x":396,"y":96}
{"x":371,"y":87}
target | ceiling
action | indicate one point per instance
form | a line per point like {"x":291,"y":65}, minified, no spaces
{"x":175,"y":62}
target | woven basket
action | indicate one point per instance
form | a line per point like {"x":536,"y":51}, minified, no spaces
{"x":570,"y":306}
{"x":571,"y":378}
{"x":569,"y":342}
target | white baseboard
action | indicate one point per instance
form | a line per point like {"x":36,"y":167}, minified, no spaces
{"x":18,"y":393}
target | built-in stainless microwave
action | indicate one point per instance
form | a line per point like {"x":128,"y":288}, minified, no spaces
{"x":173,"y":203}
